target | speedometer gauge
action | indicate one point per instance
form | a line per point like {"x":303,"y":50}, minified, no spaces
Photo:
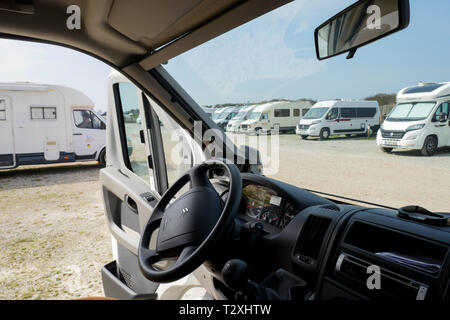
{"x":289,"y":213}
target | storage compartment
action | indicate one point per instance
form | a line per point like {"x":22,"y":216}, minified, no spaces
{"x":115,"y":288}
{"x":397,"y":247}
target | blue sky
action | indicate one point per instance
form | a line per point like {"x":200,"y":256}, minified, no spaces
{"x":271,"y":57}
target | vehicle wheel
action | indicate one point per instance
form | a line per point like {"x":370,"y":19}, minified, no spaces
{"x":429,"y":146}
{"x":324,"y":134}
{"x":386,"y":150}
{"x":303,"y":137}
{"x":348,"y":135}
{"x":102,"y":158}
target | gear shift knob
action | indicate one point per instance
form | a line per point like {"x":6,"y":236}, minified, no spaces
{"x":235,"y":275}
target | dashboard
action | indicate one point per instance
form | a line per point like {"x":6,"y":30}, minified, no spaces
{"x":317,"y":248}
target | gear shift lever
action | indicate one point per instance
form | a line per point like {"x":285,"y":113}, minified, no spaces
{"x":235,"y":275}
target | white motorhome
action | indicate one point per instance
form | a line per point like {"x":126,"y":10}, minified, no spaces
{"x":42,"y":124}
{"x":281,"y":116}
{"x":419,"y":121}
{"x":332,"y":117}
{"x":244,"y":113}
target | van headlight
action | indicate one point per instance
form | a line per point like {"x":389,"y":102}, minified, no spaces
{"x":415,"y":127}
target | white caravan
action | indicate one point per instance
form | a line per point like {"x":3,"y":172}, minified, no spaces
{"x":332,"y":117}
{"x":244,"y":113}
{"x":281,"y":116}
{"x":41,"y":124}
{"x":419,"y":121}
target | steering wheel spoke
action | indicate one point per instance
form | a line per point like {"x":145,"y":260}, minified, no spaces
{"x":186,"y":252}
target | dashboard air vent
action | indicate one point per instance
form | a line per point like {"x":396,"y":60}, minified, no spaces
{"x":311,"y":238}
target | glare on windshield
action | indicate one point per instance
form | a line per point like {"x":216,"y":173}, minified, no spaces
{"x":315,"y":113}
{"x":412,"y":111}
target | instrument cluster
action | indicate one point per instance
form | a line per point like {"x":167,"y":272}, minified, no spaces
{"x":266,"y":205}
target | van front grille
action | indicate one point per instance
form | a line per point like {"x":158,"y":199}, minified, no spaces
{"x":392,"y":134}
{"x":303,"y":126}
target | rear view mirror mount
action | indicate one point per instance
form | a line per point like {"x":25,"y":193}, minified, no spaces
{"x":362,"y":23}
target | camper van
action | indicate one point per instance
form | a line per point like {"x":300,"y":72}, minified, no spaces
{"x":281,"y":116}
{"x":334,"y":117}
{"x":42,"y":124}
{"x":419,"y":121}
{"x":225,"y":116}
{"x":244,"y":113}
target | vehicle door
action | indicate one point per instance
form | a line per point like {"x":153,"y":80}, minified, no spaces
{"x":442,"y":128}
{"x":331,"y":120}
{"x":88,"y":134}
{"x":140,"y":167}
{"x":7,"y":154}
{"x":347,"y":121}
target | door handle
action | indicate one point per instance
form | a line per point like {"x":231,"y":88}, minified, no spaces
{"x":77,"y":134}
{"x":131,"y":204}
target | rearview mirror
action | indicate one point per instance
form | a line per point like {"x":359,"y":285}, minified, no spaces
{"x":442,"y":117}
{"x":361,"y":23}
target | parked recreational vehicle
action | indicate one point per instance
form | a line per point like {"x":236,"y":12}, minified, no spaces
{"x":226,"y":115}
{"x":280,"y":115}
{"x":333,"y":117}
{"x":208,"y":111}
{"x":419,"y":121}
{"x":244,"y":113}
{"x":42,"y":124}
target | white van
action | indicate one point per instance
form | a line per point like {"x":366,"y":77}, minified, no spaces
{"x":280,"y":115}
{"x":41,"y":124}
{"x":419,"y":121}
{"x":333,"y":117}
{"x":244,"y":113}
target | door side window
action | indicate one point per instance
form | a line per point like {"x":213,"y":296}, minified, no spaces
{"x":133,"y":150}
{"x":333,"y":114}
{"x":264,"y":116}
{"x":443,"y":108}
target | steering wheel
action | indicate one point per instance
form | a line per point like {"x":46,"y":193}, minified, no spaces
{"x":191,"y":225}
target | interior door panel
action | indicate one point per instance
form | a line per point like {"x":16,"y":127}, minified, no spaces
{"x":127,"y":211}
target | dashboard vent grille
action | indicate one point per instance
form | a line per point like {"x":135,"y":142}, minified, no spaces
{"x":311,"y":237}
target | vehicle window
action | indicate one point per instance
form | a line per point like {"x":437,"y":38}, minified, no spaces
{"x":264,"y":116}
{"x":366,"y":112}
{"x":333,"y":114}
{"x":304,"y":111}
{"x":255,"y":116}
{"x":411,"y":111}
{"x":443,"y":108}
{"x":135,"y":153}
{"x":96,"y":123}
{"x":296,"y":112}
{"x":249,"y":65}
{"x":2,"y":110}
{"x":315,"y":113}
{"x":348,"y":113}
{"x":282,"y":112}
{"x":43,"y":113}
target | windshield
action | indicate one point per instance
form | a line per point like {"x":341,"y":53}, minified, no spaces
{"x":413,"y":111}
{"x":255,"y":116}
{"x":273,"y":59}
{"x":223,"y":115}
{"x":240,"y":115}
{"x":216,"y":115}
{"x":315,"y":113}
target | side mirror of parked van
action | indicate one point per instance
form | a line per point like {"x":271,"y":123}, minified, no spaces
{"x":442,"y":117}
{"x":360,"y":24}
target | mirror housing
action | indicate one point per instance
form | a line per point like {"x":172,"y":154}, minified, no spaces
{"x":362,"y":23}
{"x":442,"y":117}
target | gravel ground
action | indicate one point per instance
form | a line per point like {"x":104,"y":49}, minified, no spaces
{"x":54,"y":238}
